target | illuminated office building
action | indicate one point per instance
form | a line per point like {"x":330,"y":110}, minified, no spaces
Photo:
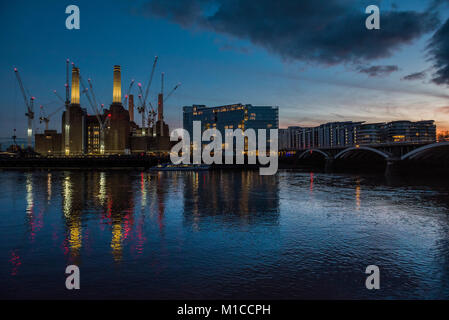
{"x":234,"y":116}
{"x":408,"y":131}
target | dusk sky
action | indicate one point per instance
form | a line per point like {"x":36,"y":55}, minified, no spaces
{"x":313,"y":59}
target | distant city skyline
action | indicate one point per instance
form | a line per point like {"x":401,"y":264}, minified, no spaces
{"x":222,"y":54}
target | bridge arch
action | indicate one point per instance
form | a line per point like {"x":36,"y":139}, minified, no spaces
{"x":424,"y":149}
{"x":310,"y":151}
{"x":385,"y":155}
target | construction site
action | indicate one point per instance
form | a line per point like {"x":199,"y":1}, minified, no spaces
{"x":101,"y":131}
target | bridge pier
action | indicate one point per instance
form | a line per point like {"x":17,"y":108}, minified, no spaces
{"x":393,"y":166}
{"x":329,"y":165}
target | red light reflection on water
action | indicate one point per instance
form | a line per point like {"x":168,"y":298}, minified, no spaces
{"x":140,"y":236}
{"x":127,"y":225}
{"x":15,"y":261}
{"x":311,"y":182}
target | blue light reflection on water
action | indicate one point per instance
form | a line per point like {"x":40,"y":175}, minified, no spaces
{"x":221,"y":235}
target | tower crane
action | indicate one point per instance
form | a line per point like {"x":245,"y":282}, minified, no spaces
{"x":141,"y":108}
{"x":143,"y":99}
{"x":14,"y":137}
{"x":172,"y":91}
{"x":67,"y":113}
{"x":160,"y":106}
{"x":161,"y":101}
{"x":125,"y":100}
{"x":42,"y":117}
{"x":46,"y":119}
{"x":29,"y":102}
{"x":58,"y":96}
{"x":151,"y":115}
{"x":92,"y":90}
{"x":66,"y":103}
{"x":151,"y":79}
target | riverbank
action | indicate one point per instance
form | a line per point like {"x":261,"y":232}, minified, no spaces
{"x":87,"y":162}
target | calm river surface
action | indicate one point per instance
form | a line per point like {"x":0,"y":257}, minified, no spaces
{"x":219,"y":234}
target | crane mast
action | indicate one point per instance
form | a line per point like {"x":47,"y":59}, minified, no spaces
{"x":67,"y":112}
{"x":30,"y":108}
{"x":143,"y":97}
{"x":151,"y":116}
{"x":141,"y":109}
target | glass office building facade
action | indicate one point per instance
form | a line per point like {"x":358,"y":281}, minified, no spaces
{"x":403,"y":131}
{"x":234,"y":116}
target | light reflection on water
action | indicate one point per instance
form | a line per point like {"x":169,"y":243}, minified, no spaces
{"x":221,"y":235}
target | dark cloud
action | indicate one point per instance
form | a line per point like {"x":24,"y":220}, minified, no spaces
{"x":378,"y":71}
{"x":439,"y":54}
{"x":185,"y":13}
{"x":364,"y":85}
{"x":436,"y":4}
{"x":231,"y":47}
{"x":415,"y":76}
{"x":321,"y":31}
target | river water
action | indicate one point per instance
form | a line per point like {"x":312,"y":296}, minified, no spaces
{"x":212,"y":235}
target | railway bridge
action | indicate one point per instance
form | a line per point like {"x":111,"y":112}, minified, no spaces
{"x":393,"y":155}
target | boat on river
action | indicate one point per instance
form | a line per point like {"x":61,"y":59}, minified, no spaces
{"x":180,"y":167}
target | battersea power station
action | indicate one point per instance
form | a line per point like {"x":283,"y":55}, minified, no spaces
{"x":110,"y":131}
